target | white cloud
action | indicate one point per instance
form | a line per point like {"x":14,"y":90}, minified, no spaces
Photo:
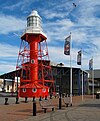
{"x":78,"y":36}
{"x":96,"y":41}
{"x":8,"y":57}
{"x":22,"y":5}
{"x":12,"y":7}
{"x":10,"y":24}
{"x":5,"y":68}
{"x":58,"y":30}
{"x":8,"y":51}
{"x":57,"y":56}
{"x":50,"y":15}
{"x":16,"y":5}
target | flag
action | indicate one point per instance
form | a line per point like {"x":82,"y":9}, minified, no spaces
{"x":91,"y":64}
{"x":67,"y":45}
{"x":79,"y":57}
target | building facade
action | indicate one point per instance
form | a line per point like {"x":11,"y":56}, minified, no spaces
{"x":62,"y":80}
{"x":94,"y":77}
{"x":61,"y":76}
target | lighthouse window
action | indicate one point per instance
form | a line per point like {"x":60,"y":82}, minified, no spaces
{"x":34,"y":18}
{"x":30,"y":24}
{"x":27,"y":19}
{"x":34,"y":90}
{"x":31,"y":21}
{"x":31,"y":18}
{"x":24,"y":89}
{"x":39,"y":21}
{"x":27,"y":23}
{"x":43,"y":90}
{"x":32,"y":61}
{"x":34,"y":24}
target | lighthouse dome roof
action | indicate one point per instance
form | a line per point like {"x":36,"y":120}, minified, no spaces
{"x":34,"y":13}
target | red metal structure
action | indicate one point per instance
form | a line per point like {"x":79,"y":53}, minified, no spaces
{"x":36,"y":75}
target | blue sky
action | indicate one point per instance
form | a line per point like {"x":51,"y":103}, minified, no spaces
{"x":59,"y":18}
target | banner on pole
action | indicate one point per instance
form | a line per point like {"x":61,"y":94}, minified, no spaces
{"x":67,"y":45}
{"x":91,"y":64}
{"x":79,"y":57}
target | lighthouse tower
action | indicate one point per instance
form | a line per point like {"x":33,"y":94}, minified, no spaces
{"x":33,"y":60}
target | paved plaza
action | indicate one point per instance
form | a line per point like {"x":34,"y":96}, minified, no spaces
{"x":88,"y":110}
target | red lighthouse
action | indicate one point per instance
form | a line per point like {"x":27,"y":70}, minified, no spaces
{"x":33,"y":60}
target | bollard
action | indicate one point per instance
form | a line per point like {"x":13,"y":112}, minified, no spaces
{"x":6,"y":101}
{"x":40,"y":99}
{"x":59,"y":102}
{"x":26,"y":99}
{"x":71,"y":104}
{"x":17,"y":100}
{"x":50,"y":96}
{"x":45,"y":97}
{"x":97,"y":96}
{"x":33,"y":99}
{"x":34,"y":107}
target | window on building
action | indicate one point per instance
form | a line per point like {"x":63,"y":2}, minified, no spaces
{"x":44,"y":90}
{"x":24,"y":89}
{"x":34,"y":90}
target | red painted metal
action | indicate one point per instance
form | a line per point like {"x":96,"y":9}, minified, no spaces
{"x":36,"y":74}
{"x":33,"y":40}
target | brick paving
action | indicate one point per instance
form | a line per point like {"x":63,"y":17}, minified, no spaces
{"x":23,"y":111}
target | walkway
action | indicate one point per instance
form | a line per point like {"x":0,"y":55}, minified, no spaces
{"x":88,"y":110}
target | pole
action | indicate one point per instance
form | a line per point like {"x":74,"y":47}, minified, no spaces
{"x":34,"y":106}
{"x":71,"y":86}
{"x":92,"y":79}
{"x":82,"y":84}
{"x":70,"y":74}
{"x":60,"y":91}
{"x":82,"y":74}
{"x":17,"y":84}
{"x":17,"y":88}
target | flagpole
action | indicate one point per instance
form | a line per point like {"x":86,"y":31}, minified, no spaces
{"x":70,"y":74}
{"x":82,"y":75}
{"x":92,"y":79}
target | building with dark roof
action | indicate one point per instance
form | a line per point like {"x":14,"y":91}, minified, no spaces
{"x":61,"y":77}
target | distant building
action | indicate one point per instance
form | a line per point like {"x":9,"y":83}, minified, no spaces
{"x":60,"y":65}
{"x":8,"y":85}
{"x":96,"y":81}
{"x":8,"y":82}
{"x":61,"y":77}
{"x":1,"y":84}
